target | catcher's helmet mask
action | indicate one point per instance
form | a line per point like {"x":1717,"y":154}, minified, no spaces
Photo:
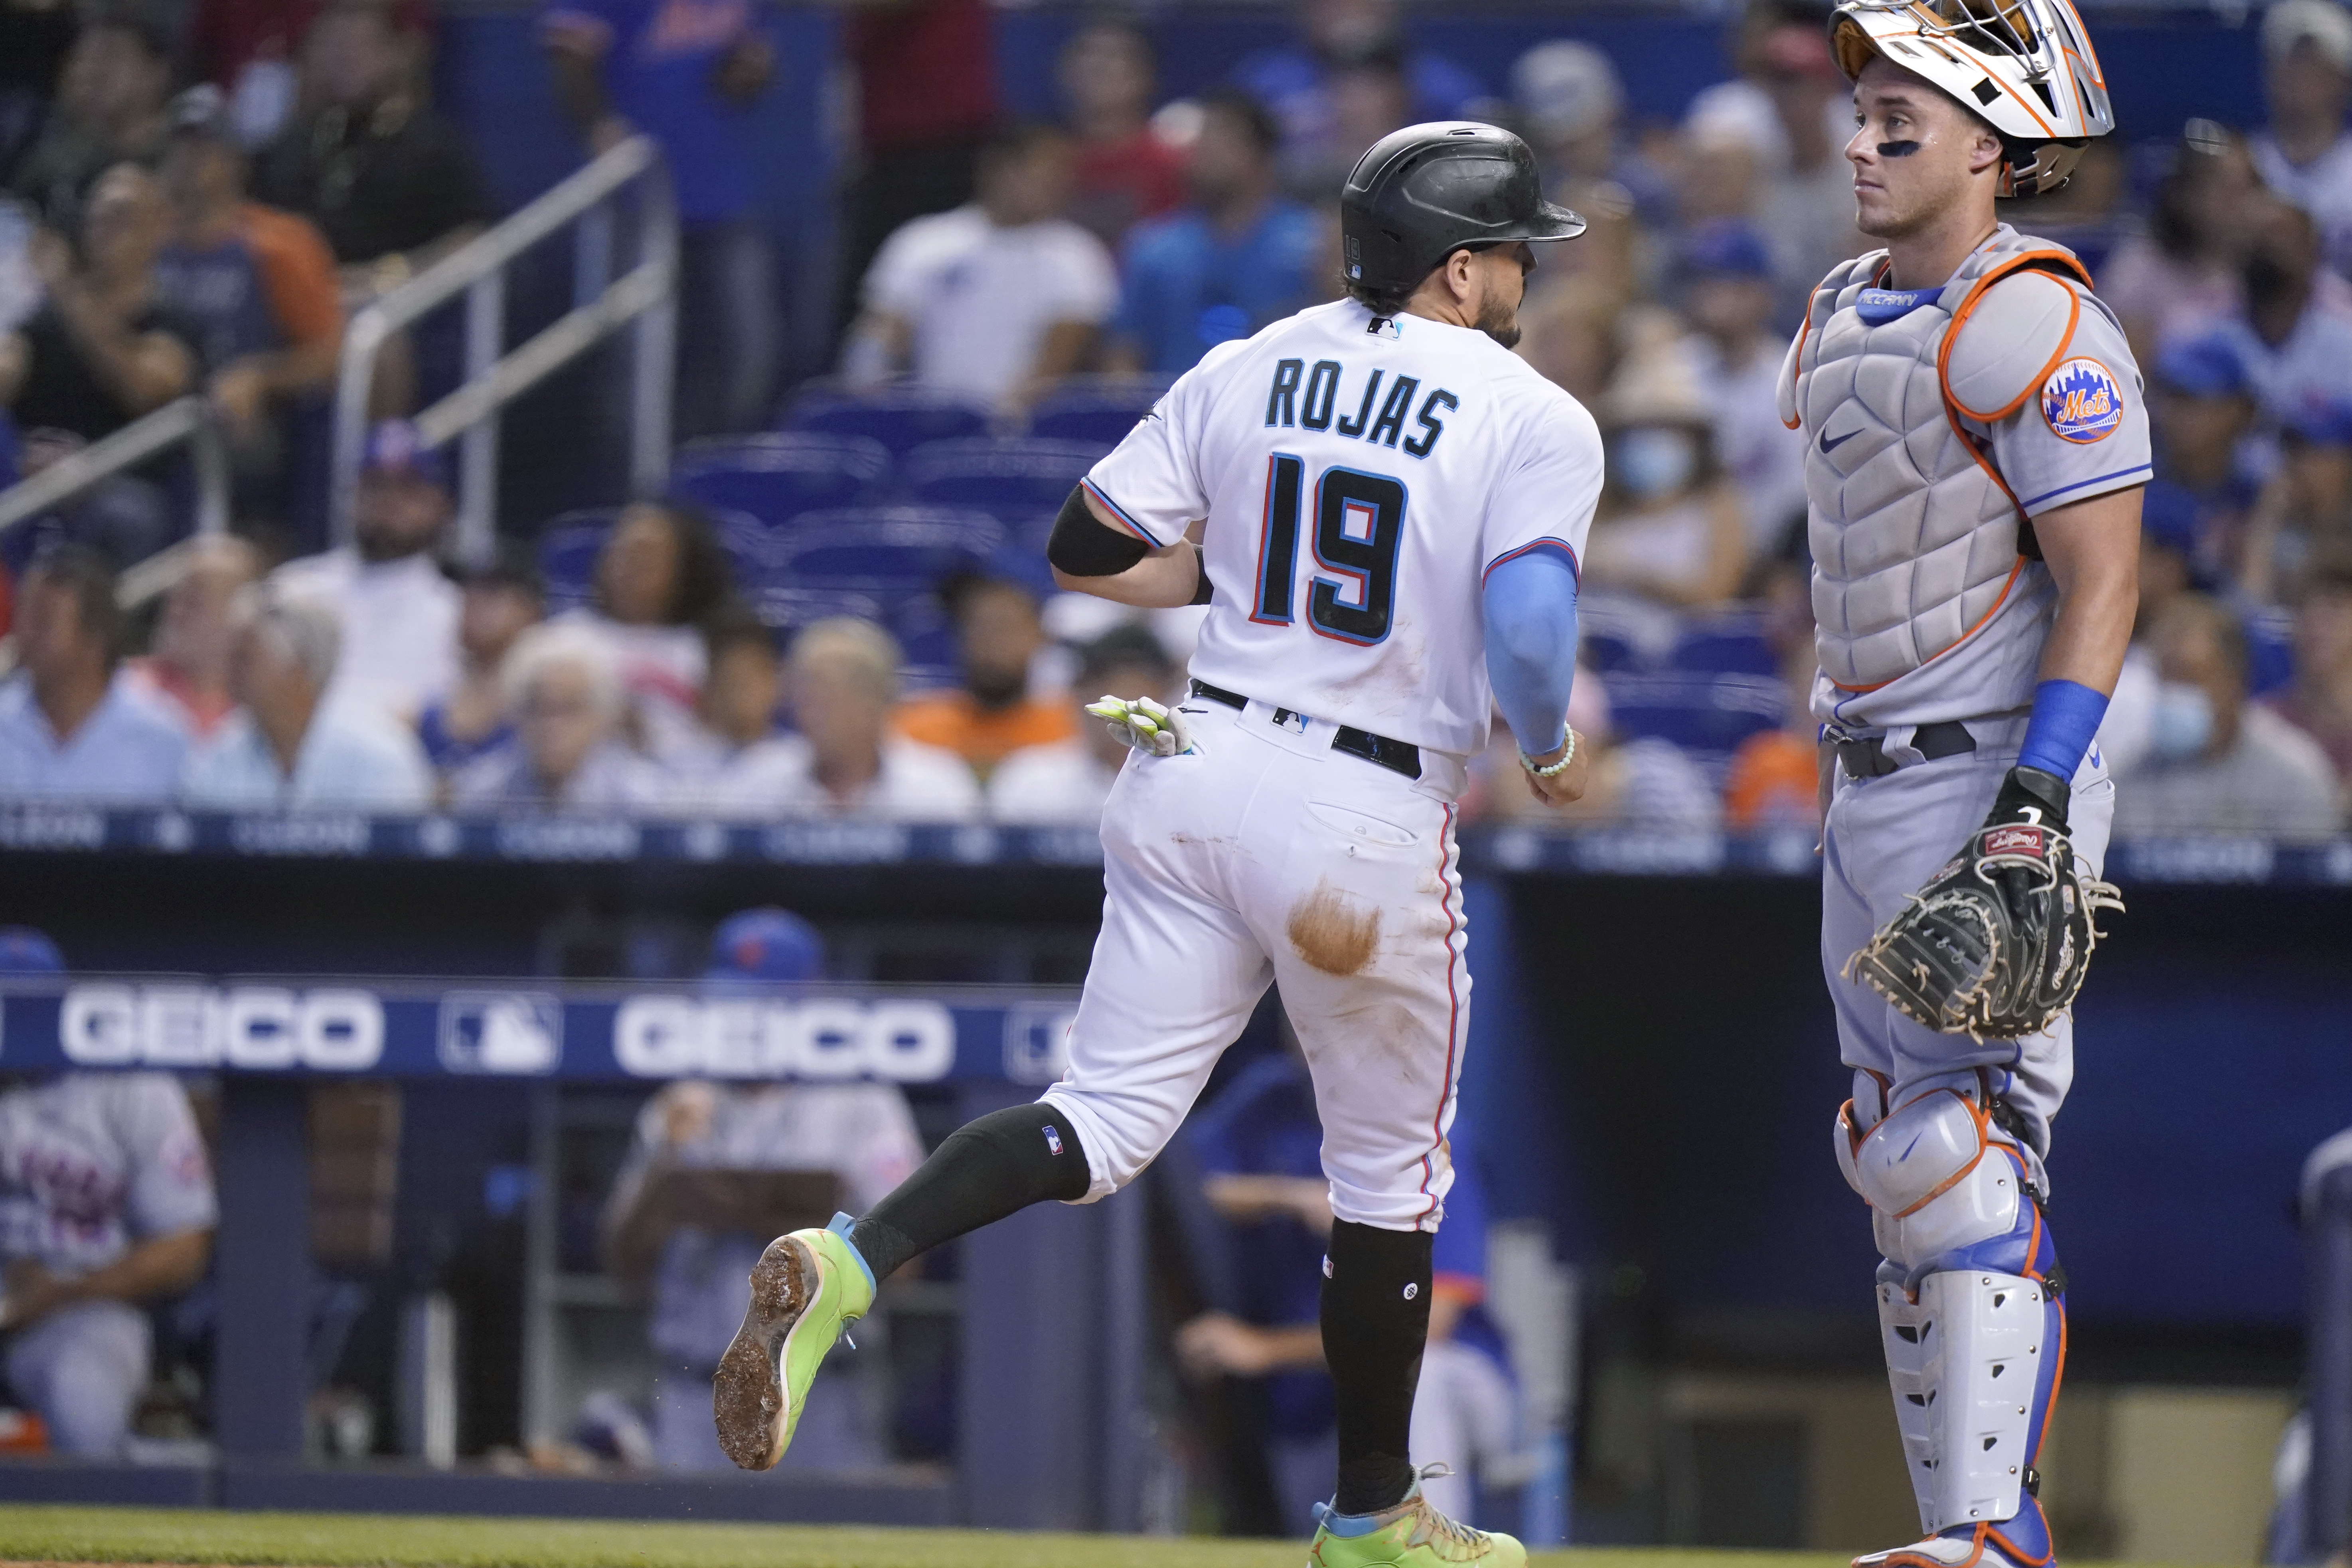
{"x":1419,"y":194}
{"x":2025,"y":68}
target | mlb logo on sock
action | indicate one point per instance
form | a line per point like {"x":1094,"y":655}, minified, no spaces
{"x":1053,"y":1139}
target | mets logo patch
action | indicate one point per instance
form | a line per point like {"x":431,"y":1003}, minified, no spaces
{"x":2081,"y":402}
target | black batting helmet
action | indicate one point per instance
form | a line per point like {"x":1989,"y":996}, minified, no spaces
{"x":1426,"y":190}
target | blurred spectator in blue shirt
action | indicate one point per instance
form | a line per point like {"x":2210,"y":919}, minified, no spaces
{"x":2201,"y":401}
{"x":683,"y":72}
{"x":499,"y":602}
{"x":1296,"y":81}
{"x":1126,"y":172}
{"x":2306,"y":507}
{"x":2295,"y":328}
{"x":2304,"y":153}
{"x":288,"y":748}
{"x":2183,"y":272}
{"x":566,"y":699}
{"x":71,"y":725}
{"x":1234,"y":261}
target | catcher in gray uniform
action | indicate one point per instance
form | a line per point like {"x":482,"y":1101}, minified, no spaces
{"x":1975,"y":444}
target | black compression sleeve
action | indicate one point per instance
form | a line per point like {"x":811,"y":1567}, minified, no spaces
{"x":1202,"y":592}
{"x":987,"y":1169}
{"x":1083,"y":547}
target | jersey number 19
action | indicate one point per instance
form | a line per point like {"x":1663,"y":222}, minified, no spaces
{"x":1358,"y":526}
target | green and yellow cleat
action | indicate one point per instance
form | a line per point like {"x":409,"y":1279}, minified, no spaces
{"x":805,"y":1288}
{"x":1413,"y":1534}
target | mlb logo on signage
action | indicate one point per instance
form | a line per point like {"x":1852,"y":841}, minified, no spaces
{"x":503,"y":1032}
{"x":2081,"y":402}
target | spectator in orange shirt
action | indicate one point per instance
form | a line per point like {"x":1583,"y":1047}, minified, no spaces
{"x":1775,"y":777}
{"x":992,"y":713}
{"x":259,"y":284}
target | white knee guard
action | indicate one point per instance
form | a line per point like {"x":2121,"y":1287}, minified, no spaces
{"x":1972,"y":1329}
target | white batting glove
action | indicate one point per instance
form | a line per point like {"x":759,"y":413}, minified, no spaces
{"x":1144,"y":725}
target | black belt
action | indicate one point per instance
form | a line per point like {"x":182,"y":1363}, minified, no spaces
{"x":1867,"y":759}
{"x":1397,"y":756}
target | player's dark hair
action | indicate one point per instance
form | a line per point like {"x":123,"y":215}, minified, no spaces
{"x":731,"y":625}
{"x":1256,"y":121}
{"x":512,"y":568}
{"x":1015,"y":138}
{"x":1393,"y":302}
{"x":89,"y":577}
{"x":957,"y":592}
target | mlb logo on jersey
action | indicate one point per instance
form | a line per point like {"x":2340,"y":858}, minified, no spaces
{"x":2081,"y":402}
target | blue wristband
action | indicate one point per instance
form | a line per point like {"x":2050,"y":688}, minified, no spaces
{"x":2066,"y":715}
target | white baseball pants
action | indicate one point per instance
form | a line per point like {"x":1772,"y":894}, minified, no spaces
{"x":1265,"y":857}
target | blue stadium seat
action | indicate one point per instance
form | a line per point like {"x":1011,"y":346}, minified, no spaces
{"x":1009,"y":477}
{"x":1730,"y":642}
{"x":884,"y":550}
{"x":901,"y":417}
{"x":777,"y":476}
{"x":1100,"y":408}
{"x":568,"y":548}
{"x":1709,"y":715}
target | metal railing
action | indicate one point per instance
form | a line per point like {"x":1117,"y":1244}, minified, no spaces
{"x":644,"y":295}
{"x":190,"y":421}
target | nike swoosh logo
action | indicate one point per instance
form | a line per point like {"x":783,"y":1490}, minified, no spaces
{"x":1830,"y":446}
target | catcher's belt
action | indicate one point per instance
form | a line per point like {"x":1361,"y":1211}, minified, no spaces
{"x":1865,"y":757}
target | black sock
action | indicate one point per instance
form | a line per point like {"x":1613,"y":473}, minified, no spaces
{"x":1375,"y":1323}
{"x":987,"y":1169}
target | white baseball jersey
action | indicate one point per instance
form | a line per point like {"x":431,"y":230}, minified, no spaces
{"x":90,"y":1163}
{"x":1359,"y":476}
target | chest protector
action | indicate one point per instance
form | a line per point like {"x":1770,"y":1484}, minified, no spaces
{"x":1916,"y":540}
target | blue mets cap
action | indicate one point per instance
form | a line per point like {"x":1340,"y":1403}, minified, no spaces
{"x":2209,"y":366}
{"x":766,"y":944}
{"x":397,"y":446}
{"x":23,"y":951}
{"x":1726,"y":247}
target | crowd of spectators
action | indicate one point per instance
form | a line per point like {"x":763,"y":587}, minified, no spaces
{"x":213,"y":236}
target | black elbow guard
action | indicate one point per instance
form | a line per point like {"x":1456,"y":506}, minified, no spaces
{"x":1202,"y":592}
{"x":1083,"y":547}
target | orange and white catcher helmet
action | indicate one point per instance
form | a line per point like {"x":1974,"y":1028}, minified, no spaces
{"x":2025,"y":67}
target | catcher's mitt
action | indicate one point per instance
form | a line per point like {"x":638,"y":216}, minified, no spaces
{"x":1997,"y":942}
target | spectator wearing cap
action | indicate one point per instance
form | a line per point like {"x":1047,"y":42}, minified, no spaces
{"x":2202,"y":403}
{"x":998,"y":300}
{"x":104,"y":347}
{"x":108,"y":110}
{"x":675,"y":1210}
{"x":2304,"y":154}
{"x":1299,"y":82}
{"x":188,"y":667}
{"x":1235,"y":259}
{"x":2305,"y":507}
{"x":2217,"y":762}
{"x":258,"y":283}
{"x":991,"y":713}
{"x":841,"y":678}
{"x":2318,"y":700}
{"x":287,"y":748}
{"x":566,"y":698}
{"x":2182,"y":273}
{"x":1067,"y":782}
{"x":72,"y":726}
{"x":497,"y":604}
{"x":1728,"y":297}
{"x":398,"y":612}
{"x":1126,"y":170}
{"x":684,"y":72}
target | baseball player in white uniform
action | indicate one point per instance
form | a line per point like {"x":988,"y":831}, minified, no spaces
{"x":106,"y":1199}
{"x":1388,"y":506}
{"x":1975,"y":440}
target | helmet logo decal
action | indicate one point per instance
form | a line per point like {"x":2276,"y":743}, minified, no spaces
{"x":2081,"y":402}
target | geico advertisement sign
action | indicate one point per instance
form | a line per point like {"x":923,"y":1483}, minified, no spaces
{"x":256,"y":1026}
{"x":683,"y":1036}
